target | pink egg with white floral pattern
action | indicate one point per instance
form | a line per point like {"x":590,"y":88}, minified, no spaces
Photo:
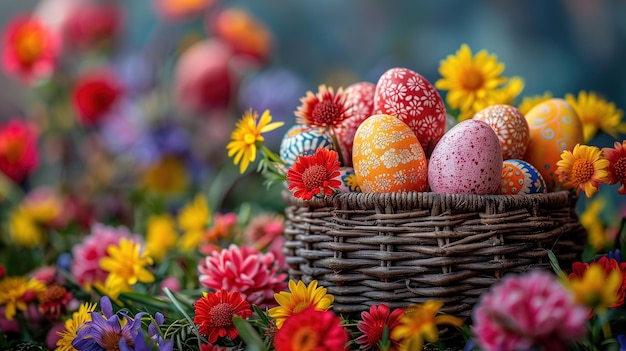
{"x":467,"y":160}
{"x":511,"y":127}
{"x":411,"y":98}
{"x":360,"y":96}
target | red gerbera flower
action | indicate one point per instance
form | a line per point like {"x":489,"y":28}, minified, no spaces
{"x":314,"y":175}
{"x":311,"y":330}
{"x":324,"y":109}
{"x":617,"y":166}
{"x":18,"y":149}
{"x":373,"y":323}
{"x":215,"y":311}
{"x":30,"y":50}
{"x":94,"y":96}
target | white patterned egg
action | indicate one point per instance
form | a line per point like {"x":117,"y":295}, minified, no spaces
{"x":301,"y":140}
{"x":520,"y":177}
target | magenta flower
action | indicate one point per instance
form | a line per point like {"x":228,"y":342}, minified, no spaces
{"x":86,"y":264}
{"x":526,"y":311}
{"x":255,"y":275}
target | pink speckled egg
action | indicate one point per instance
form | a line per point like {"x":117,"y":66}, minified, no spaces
{"x":554,"y":126}
{"x":411,"y":98}
{"x":467,"y":160}
{"x":387,"y":157}
{"x":361,"y":97}
{"x":510,"y":126}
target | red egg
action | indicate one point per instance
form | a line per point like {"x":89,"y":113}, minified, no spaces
{"x":361,"y":97}
{"x":408,"y":96}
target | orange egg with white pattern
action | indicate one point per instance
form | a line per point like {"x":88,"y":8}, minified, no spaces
{"x":510,"y":126}
{"x":388,"y":157}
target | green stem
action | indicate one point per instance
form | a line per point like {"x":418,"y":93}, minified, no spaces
{"x":337,"y":146}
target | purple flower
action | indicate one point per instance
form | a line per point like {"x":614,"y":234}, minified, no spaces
{"x":105,"y":331}
{"x":622,"y":342}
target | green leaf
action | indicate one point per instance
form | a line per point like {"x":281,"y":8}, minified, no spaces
{"x":146,"y":300}
{"x":554,"y":262}
{"x":249,"y":335}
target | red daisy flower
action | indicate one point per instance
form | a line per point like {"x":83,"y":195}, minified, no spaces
{"x":94,"y":96}
{"x":311,"y":330}
{"x":373,"y":323}
{"x":324,"y":109}
{"x":617,"y":166}
{"x":314,"y":175}
{"x":18,"y":149}
{"x":215,"y":311}
{"x":54,"y":301}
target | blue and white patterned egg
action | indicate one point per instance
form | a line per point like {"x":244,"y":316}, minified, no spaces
{"x":520,"y":177}
{"x":301,"y":140}
{"x":349,"y":181}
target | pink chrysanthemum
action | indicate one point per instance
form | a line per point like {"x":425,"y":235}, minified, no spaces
{"x":617,"y":165}
{"x":372,"y":326}
{"x":244,"y":269}
{"x":86,"y":264}
{"x":528,"y":311}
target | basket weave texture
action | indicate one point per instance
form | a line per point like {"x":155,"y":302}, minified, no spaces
{"x":403,"y":248}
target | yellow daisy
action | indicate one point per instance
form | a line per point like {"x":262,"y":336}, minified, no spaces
{"x":419,"y":323}
{"x":528,"y":102}
{"x":72,"y":326}
{"x":596,"y":229}
{"x":126,"y":265}
{"x":167,"y":176}
{"x":247,"y":137}
{"x":161,"y":236}
{"x":298,"y":298}
{"x":596,"y":113}
{"x":24,"y":231}
{"x":474,"y":82}
{"x":583,"y":169}
{"x":13,"y":291}
{"x":193,"y":220}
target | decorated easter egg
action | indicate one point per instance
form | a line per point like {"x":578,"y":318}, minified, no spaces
{"x":387,"y":157}
{"x":554,"y":126}
{"x":349,"y":181}
{"x":407,"y":95}
{"x":467,"y":160}
{"x":360,"y":97}
{"x":302,"y":140}
{"x":520,"y":177}
{"x":510,"y":126}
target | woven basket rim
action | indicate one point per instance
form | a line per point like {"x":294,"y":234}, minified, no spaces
{"x":415,"y":199}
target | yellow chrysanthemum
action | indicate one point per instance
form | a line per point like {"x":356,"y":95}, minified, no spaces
{"x":247,"y":137}
{"x":71,"y":326}
{"x":596,"y":113}
{"x":126,"y":265}
{"x":161,"y":236}
{"x":596,"y":229}
{"x":24,"y":231}
{"x":299,"y":297}
{"x":474,"y":82}
{"x":596,"y":289}
{"x":583,"y":169}
{"x":168,"y":176}
{"x":419,"y":323}
{"x":193,"y":220}
{"x":13,"y":291}
{"x":528,"y":102}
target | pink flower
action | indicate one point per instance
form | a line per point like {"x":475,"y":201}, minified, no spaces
{"x":92,"y":24}
{"x":30,"y":49}
{"x":246,"y":270}
{"x":263,"y":230}
{"x":527,"y":311}
{"x":18,"y":149}
{"x":86,"y":265}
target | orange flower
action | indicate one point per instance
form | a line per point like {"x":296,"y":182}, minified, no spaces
{"x":324,"y":109}
{"x":583,"y":169}
{"x":314,"y":175}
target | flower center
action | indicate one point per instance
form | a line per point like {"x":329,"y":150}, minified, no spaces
{"x":325,"y":112}
{"x":582,"y":170}
{"x":111,"y":340}
{"x":222,"y":315}
{"x":29,"y":45}
{"x":304,"y":339}
{"x":249,"y":138}
{"x":314,"y":176}
{"x":620,"y":169}
{"x":13,"y":150}
{"x":472,"y":79}
{"x":53,"y":294}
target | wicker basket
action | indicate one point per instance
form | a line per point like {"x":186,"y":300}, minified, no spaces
{"x":402,"y":248}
